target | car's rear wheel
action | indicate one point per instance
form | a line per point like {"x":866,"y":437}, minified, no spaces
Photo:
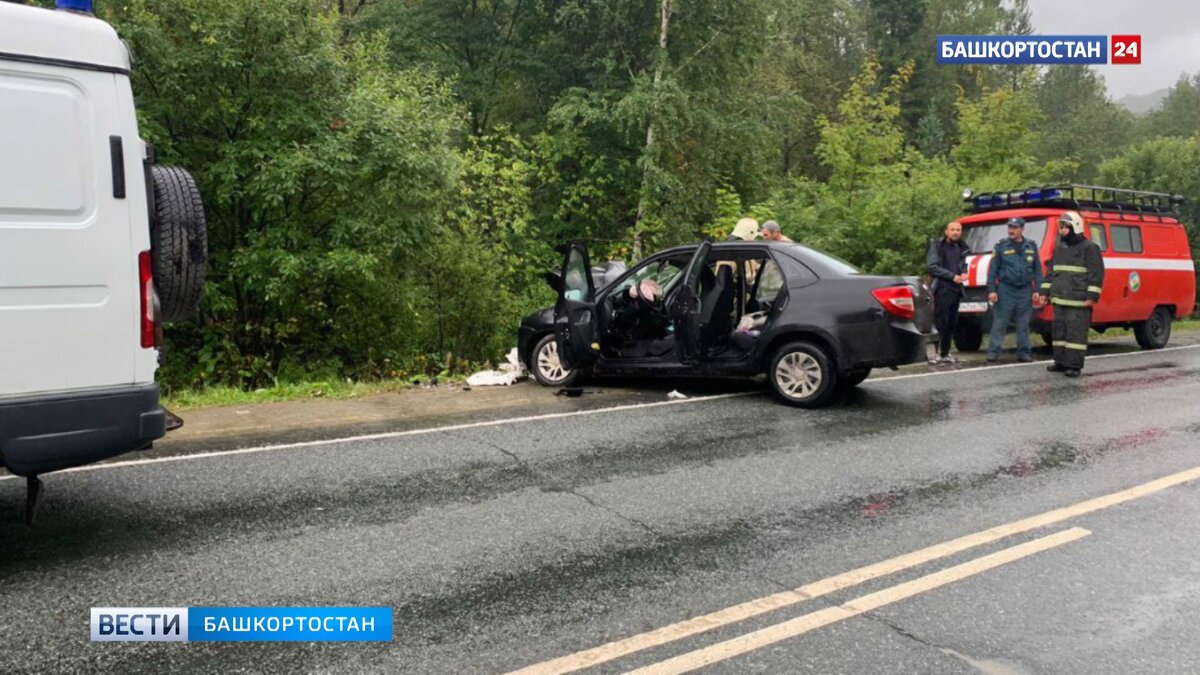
{"x":802,"y":374}
{"x":548,"y":368}
{"x":968,"y":337}
{"x":1155,"y":332}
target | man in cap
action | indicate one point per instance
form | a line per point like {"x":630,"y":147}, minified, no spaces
{"x":1013,"y":280}
{"x":1073,"y":283}
{"x":946,"y":262}
{"x":771,"y":232}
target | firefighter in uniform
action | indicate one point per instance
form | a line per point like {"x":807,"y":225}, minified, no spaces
{"x":1073,"y":283}
{"x":1014,"y":278}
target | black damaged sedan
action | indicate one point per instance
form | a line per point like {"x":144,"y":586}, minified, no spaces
{"x":809,"y":321}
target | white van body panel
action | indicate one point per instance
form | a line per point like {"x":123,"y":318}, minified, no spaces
{"x":70,"y":302}
{"x":31,"y":32}
{"x":76,"y":385}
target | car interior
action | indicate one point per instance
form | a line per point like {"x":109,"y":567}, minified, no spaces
{"x":737,"y":292}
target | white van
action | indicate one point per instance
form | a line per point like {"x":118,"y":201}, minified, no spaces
{"x":97,"y":246}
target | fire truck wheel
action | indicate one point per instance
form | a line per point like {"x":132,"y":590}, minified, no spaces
{"x":1154,"y":332}
{"x":968,"y":337}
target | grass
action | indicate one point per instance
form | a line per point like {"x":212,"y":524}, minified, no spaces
{"x":1181,"y":326}
{"x":1184,"y":325}
{"x":190,"y":399}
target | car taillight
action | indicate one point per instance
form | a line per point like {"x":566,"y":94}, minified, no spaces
{"x":897,"y":300}
{"x":146,"y":293}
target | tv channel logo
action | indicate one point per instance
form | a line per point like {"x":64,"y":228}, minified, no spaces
{"x":139,"y":624}
{"x":1039,"y":49}
{"x":241,"y":624}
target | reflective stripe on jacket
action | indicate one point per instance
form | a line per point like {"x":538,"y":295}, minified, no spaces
{"x":1076,"y":274}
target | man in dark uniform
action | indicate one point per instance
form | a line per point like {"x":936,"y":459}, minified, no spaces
{"x":1074,"y":282}
{"x":1014,"y":278}
{"x":946,"y":261}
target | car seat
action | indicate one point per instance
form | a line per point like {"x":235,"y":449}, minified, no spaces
{"x":716,"y":308}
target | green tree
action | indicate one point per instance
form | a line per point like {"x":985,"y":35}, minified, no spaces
{"x":997,"y":143}
{"x":866,"y":134}
{"x":1078,"y":122}
{"x":1179,"y":114}
{"x":321,"y":169}
{"x":1166,"y":164}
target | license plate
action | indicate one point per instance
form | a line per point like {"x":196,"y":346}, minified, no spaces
{"x":972,"y":307}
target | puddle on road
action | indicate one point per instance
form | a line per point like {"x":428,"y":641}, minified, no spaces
{"x":985,"y":666}
{"x":1053,"y":455}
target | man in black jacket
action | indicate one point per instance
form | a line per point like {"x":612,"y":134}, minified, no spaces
{"x":1074,"y":282}
{"x":947,"y":264}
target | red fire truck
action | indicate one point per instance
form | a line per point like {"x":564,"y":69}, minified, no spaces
{"x":1149,"y":279}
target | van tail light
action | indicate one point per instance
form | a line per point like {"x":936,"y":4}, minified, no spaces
{"x":897,"y":300}
{"x":149,"y":301}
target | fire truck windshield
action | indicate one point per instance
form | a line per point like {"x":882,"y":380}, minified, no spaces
{"x":983,"y":237}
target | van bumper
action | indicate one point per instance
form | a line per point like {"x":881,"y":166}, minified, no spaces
{"x":48,"y":432}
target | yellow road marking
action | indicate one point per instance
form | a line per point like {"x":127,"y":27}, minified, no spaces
{"x":866,"y":603}
{"x":752,"y":608}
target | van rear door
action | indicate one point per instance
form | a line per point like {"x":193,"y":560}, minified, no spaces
{"x":69,"y":304}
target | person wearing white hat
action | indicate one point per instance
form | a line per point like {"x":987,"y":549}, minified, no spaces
{"x":1074,"y":282}
{"x":745,"y":230}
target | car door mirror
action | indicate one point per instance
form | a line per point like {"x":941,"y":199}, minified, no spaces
{"x":554,"y":279}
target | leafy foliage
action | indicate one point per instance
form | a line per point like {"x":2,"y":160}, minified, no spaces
{"x":386,"y":180}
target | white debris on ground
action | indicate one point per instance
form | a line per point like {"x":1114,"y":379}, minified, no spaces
{"x":510,"y":372}
{"x":675,"y":394}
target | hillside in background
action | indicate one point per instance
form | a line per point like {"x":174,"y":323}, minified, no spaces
{"x":1140,"y":104}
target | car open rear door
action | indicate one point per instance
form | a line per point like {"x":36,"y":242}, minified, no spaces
{"x":575,"y":312}
{"x":685,"y":310}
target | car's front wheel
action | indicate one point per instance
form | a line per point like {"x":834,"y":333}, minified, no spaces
{"x":548,"y":368}
{"x":802,"y":374}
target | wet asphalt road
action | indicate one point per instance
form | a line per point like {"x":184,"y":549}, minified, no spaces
{"x":508,"y":545}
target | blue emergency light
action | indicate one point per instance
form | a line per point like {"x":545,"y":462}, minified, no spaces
{"x":74,"y":5}
{"x":1076,"y":197}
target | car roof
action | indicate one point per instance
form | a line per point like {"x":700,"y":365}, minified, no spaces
{"x":718,"y":245}
{"x":822,"y":263}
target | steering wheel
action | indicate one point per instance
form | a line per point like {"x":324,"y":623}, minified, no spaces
{"x":648,"y":293}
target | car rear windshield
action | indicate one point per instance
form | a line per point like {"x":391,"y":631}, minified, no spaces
{"x":983,"y":237}
{"x":829,"y":261}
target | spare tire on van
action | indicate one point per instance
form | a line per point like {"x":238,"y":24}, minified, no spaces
{"x":178,"y":242}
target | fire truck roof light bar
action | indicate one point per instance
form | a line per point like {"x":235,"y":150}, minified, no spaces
{"x":1077,"y":197}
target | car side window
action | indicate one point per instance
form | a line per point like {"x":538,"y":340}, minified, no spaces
{"x":575,"y":280}
{"x":1099,"y":237}
{"x":664,"y":272}
{"x":1126,"y":239}
{"x":771,"y":280}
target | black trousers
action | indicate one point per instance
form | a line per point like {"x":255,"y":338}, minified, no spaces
{"x":1070,"y":335}
{"x":945,"y":315}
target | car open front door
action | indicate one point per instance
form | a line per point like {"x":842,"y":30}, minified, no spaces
{"x":685,"y":309}
{"x":575,"y":312}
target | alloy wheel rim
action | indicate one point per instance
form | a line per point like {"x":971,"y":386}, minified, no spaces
{"x":549,"y":365}
{"x":799,"y":375}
